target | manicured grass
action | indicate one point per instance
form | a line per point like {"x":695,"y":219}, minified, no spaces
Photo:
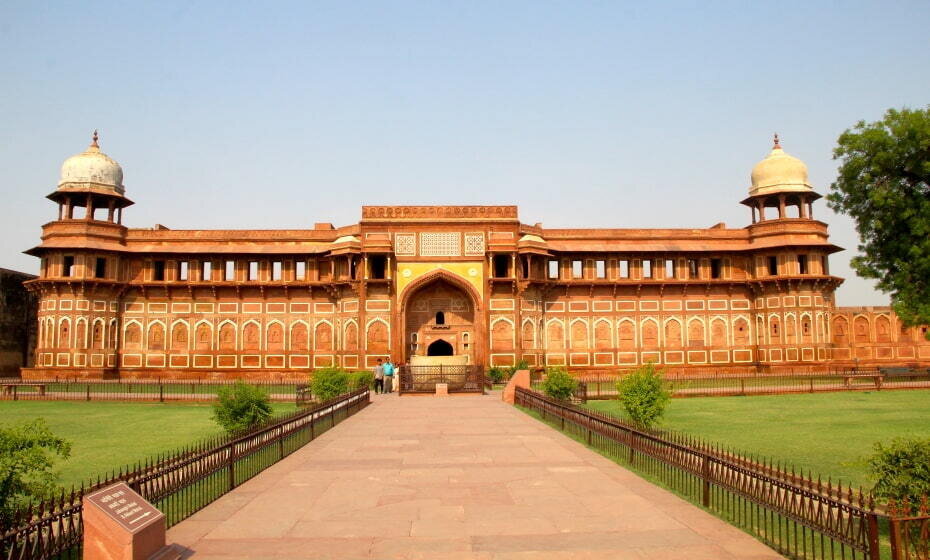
{"x":107,"y":435}
{"x":829,"y":433}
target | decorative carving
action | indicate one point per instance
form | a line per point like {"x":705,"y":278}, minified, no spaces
{"x":299,"y":338}
{"x":133,"y":336}
{"x":528,"y":336}
{"x":204,"y":337}
{"x":650,"y":335}
{"x":555,"y":336}
{"x":440,"y":244}
{"x":673,"y":334}
{"x":626,"y":336}
{"x":405,"y":244}
{"x":602,"y":335}
{"x":502,"y":336}
{"x":351,"y":338}
{"x":377,"y":337}
{"x":250,"y":337}
{"x":275,"y":337}
{"x":579,"y":332}
{"x":227,"y":337}
{"x":861,"y":326}
{"x":741,"y":332}
{"x":323,"y":334}
{"x":179,"y":337}
{"x":696,"y":334}
{"x":474,"y":245}
{"x":156,"y":337}
{"x":433,"y":212}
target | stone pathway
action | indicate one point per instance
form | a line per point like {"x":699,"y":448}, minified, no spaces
{"x":449,"y":478}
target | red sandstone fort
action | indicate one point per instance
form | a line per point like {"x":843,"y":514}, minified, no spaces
{"x":471,"y":282}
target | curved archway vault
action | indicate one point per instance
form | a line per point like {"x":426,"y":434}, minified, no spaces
{"x":440,"y":319}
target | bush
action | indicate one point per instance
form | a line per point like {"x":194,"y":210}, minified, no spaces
{"x":644,"y":395}
{"x":329,"y":383}
{"x":27,"y":455}
{"x":559,"y":384}
{"x":241,"y":406}
{"x":901,"y":469}
{"x":361,"y":379}
{"x":496,"y":374}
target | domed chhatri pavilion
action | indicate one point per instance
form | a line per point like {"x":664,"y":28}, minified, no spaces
{"x":471,"y":282}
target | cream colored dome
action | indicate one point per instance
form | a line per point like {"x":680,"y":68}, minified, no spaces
{"x":778,"y":173}
{"x":91,"y":170}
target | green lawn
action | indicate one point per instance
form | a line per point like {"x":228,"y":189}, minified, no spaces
{"x":829,"y":433}
{"x":107,"y":435}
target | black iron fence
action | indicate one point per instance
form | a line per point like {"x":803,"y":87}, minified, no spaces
{"x":458,"y":379}
{"x":797,"y":515}
{"x":134,"y":390}
{"x":604,"y":386}
{"x":178,"y":484}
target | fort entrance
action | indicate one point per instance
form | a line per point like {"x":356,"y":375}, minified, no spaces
{"x":440,"y":323}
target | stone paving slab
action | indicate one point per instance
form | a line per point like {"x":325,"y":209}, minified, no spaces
{"x":464,"y":477}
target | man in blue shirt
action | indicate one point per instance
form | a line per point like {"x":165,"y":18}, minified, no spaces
{"x":388,"y":368}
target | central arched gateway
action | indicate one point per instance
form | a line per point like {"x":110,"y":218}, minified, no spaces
{"x":442,"y":317}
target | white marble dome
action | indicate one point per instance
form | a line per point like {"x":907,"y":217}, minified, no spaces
{"x":91,"y":169}
{"x":778,"y":173}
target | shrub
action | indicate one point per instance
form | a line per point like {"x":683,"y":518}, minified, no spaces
{"x":901,"y":469}
{"x":559,"y":384}
{"x":329,"y":383}
{"x":644,"y":395}
{"x":27,"y":455}
{"x":496,"y":374}
{"x":241,"y":406}
{"x":361,"y":379}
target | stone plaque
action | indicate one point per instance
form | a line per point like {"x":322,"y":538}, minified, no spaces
{"x":130,"y":510}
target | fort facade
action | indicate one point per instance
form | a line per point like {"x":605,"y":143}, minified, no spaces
{"x":467,"y":281}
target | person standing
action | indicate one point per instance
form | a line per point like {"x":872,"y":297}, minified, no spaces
{"x":379,"y":377}
{"x":388,"y":369}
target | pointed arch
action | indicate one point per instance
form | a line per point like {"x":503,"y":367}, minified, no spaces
{"x":350,"y":336}
{"x":603,"y":334}
{"x":673,"y":334}
{"x":861,"y":329}
{"x":132,"y":335}
{"x":323,"y":336}
{"x":649,"y":329}
{"x":227,"y":335}
{"x":97,"y":334}
{"x":502,"y":334}
{"x":300,"y":336}
{"x":626,"y":334}
{"x":203,"y":335}
{"x":741,"y":333}
{"x":64,"y":333}
{"x":555,"y":334}
{"x":377,"y":336}
{"x":251,"y":335}
{"x":578,"y":329}
{"x":882,"y":329}
{"x":806,"y":327}
{"x":180,"y":336}
{"x":718,"y":332}
{"x":696,"y":332}
{"x":841,"y":330}
{"x":438,"y":274}
{"x":528,"y":334}
{"x":80,"y":333}
{"x":155,"y":335}
{"x":112,"y":334}
{"x":775,"y":330}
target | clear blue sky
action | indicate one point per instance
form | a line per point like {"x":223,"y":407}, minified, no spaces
{"x":612,"y":114}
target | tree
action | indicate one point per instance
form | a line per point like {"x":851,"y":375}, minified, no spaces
{"x":559,"y":384}
{"x":901,"y":469}
{"x":884,"y":185}
{"x":241,"y":406}
{"x":328,"y":383}
{"x":27,"y":456}
{"x":644,"y":395}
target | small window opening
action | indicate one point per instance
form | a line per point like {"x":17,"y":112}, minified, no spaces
{"x":206,"y":271}
{"x":100,"y":268}
{"x":553,"y":269}
{"x":773,"y":265}
{"x":825,"y":264}
{"x":78,"y":212}
{"x":802,"y":264}
{"x":182,"y":270}
{"x":229,"y":274}
{"x":378,"y":264}
{"x":693,"y":269}
{"x":352,"y":268}
{"x":525,"y":267}
{"x":647,"y":269}
{"x":600,"y":269}
{"x":577,"y":269}
{"x":715,"y":268}
{"x":624,"y":266}
{"x":440,"y":318}
{"x":670,"y":268}
{"x":276,"y":270}
{"x":501,"y":266}
{"x":68,"y":267}
{"x":100,"y":214}
{"x":253,"y":271}
{"x":158,"y":271}
{"x":300,"y":270}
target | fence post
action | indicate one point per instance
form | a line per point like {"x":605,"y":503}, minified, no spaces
{"x":812,"y":384}
{"x":15,"y":393}
{"x":742,"y":386}
{"x":161,"y":392}
{"x":312,"y":426}
{"x":88,"y":391}
{"x":896,"y":550}
{"x":705,"y":475}
{"x":281,"y":442}
{"x":231,"y":467}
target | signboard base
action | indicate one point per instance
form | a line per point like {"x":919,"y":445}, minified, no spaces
{"x":119,"y":524}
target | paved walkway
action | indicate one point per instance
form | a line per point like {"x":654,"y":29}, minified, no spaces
{"x":459,"y":477}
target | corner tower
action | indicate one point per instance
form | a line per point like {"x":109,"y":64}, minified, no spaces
{"x":780,"y":188}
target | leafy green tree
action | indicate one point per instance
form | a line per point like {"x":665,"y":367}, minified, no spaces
{"x":241,"y":406}
{"x":329,"y":383}
{"x":884,"y":185}
{"x":644,"y":395}
{"x":901,"y":469}
{"x":27,"y":456}
{"x":360,"y":379}
{"x":559,"y":384}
